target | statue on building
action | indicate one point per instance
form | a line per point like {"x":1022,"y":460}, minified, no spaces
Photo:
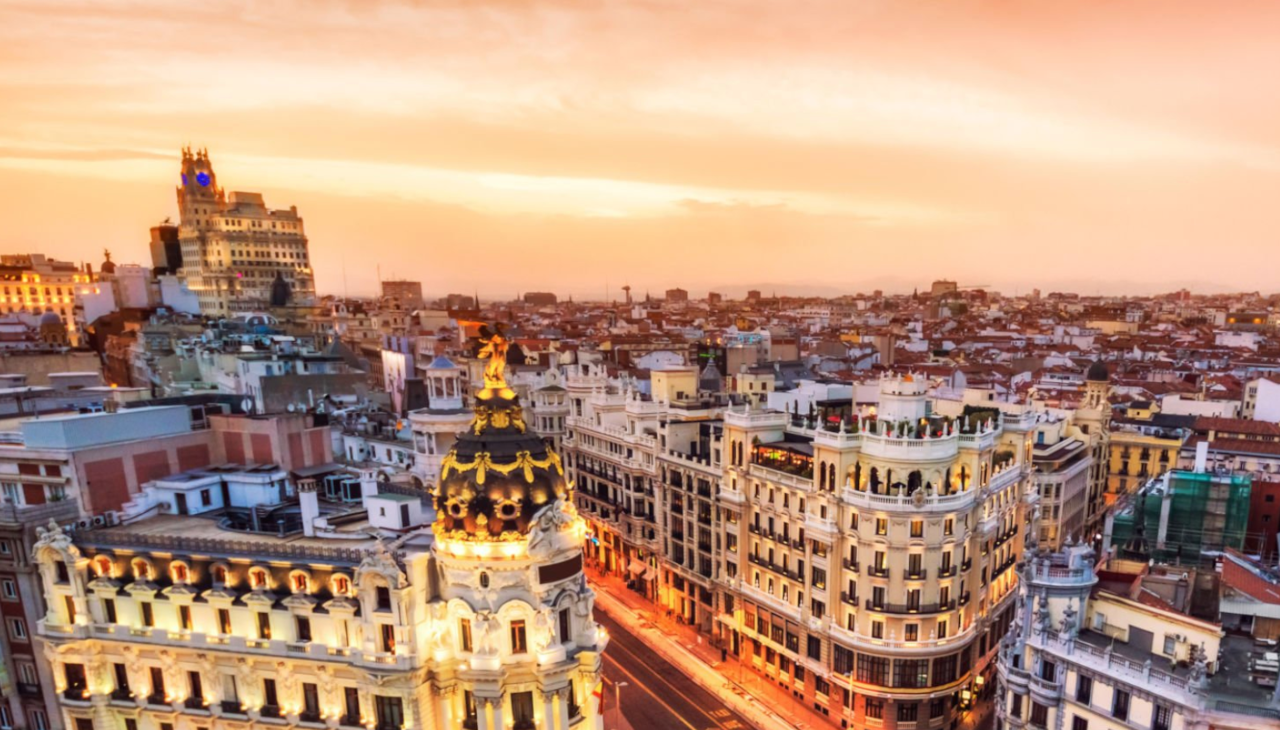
{"x":494,"y":346}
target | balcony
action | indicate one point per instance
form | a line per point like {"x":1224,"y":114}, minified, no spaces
{"x":878,"y":571}
{"x":915,"y":574}
{"x":1000,"y":569}
{"x":792,"y":574}
{"x":901,"y":501}
{"x":270,"y":711}
{"x":947,"y":572}
{"x":849,"y":598}
{"x":231,"y":707}
{"x":851,"y":565}
{"x":908,"y":609}
{"x":122,"y":694}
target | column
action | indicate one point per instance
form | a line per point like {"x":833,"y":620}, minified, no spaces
{"x":482,"y":713}
{"x":444,"y":708}
{"x":497,"y":713}
{"x":562,"y":707}
{"x":549,"y":710}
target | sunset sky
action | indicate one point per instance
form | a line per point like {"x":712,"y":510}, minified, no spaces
{"x":823,"y":147}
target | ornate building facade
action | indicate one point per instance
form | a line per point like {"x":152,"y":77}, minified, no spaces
{"x":1082,"y":655}
{"x":372,"y":615}
{"x":238,"y":255}
{"x":862,"y":561}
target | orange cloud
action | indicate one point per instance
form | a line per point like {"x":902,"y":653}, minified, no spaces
{"x":683,"y":144}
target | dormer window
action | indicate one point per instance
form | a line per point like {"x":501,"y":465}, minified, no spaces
{"x":102,"y":566}
{"x":141,"y":570}
{"x":299,"y":582}
{"x":341,"y":585}
{"x":220,"y":574}
{"x":257,"y":579}
{"x":179,"y":573}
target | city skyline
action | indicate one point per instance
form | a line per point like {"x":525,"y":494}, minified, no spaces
{"x":1084,"y":147}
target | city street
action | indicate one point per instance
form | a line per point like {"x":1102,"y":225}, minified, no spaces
{"x":656,"y":694}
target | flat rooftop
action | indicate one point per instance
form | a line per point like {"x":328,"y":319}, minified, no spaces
{"x":202,"y":535}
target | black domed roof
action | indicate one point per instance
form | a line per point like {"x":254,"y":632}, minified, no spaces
{"x":498,"y":474}
{"x":1098,"y":372}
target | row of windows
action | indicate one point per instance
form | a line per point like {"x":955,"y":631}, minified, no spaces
{"x":259,"y":578}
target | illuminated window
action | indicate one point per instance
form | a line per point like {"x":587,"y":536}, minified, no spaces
{"x":102,"y":566}
{"x":220,"y":574}
{"x":141,"y":569}
{"x":178,"y":572}
{"x":519,"y":639}
{"x":300,"y":582}
{"x":257,"y":578}
{"x":341,"y":585}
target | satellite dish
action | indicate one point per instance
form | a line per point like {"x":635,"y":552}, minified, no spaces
{"x":247,"y":404}
{"x":292,"y":408}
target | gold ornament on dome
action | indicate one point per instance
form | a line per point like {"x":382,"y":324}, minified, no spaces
{"x":483,"y":463}
{"x":460,"y":535}
{"x":498,"y":418}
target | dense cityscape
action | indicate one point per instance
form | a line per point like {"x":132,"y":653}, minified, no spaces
{"x":232,"y":501}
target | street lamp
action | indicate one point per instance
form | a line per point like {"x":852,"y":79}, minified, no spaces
{"x":617,"y":701}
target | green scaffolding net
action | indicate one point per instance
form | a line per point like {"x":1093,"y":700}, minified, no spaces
{"x":1179,"y":520}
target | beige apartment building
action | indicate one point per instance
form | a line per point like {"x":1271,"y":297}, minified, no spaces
{"x":862,"y":562}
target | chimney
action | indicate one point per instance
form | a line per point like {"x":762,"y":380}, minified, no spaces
{"x":1202,"y":456}
{"x":309,"y":502}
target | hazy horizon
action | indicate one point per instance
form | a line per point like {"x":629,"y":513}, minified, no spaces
{"x":824,"y":147}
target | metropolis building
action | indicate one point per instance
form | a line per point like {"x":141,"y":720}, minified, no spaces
{"x":860,"y":559}
{"x":364,"y":613}
{"x":238,"y":255}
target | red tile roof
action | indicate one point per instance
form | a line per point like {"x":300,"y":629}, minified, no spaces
{"x":1237,"y":425}
{"x":1237,"y":575}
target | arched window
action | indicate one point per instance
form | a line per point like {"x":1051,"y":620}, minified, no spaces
{"x":822,"y":475}
{"x":857,"y":476}
{"x":299,"y":582}
{"x":141,"y":569}
{"x":178,"y":572}
{"x":831,"y":476}
{"x":220,"y":574}
{"x":914,"y":481}
{"x":102,"y":566}
{"x":341,"y":585}
{"x":257,"y":578}
{"x":875,"y":479}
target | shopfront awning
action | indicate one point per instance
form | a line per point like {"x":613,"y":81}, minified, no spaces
{"x":636,"y":567}
{"x":650,"y":573}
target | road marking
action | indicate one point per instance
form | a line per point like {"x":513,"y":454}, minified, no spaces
{"x":653,"y":694}
{"x":696,"y":704}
